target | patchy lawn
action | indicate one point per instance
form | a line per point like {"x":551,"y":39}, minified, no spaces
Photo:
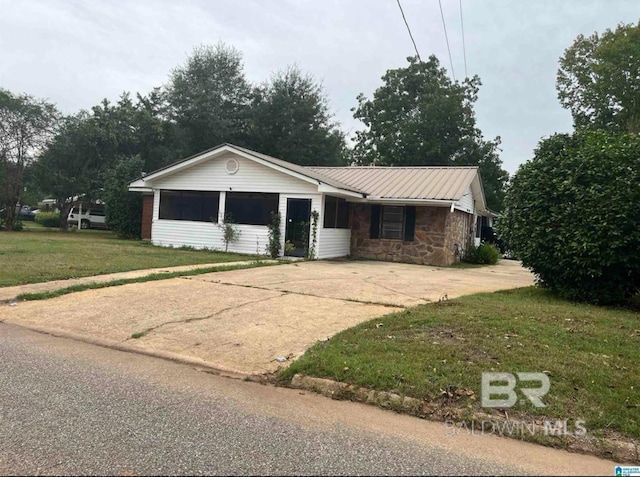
{"x":40,"y":254}
{"x":438,"y":352}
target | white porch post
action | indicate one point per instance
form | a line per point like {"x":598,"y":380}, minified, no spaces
{"x":221,"y":206}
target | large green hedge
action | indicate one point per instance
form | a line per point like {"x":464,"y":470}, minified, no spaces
{"x":572,"y":215}
{"x":48,"y":219}
{"x":123,"y":208}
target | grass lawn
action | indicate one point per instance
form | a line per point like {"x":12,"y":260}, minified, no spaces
{"x":40,"y":254}
{"x":435,"y":351}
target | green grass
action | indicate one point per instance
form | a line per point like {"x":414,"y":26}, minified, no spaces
{"x":40,"y":254}
{"x":147,"y":278}
{"x":591,"y":353}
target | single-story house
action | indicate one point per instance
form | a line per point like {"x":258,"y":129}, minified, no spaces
{"x":425,"y":215}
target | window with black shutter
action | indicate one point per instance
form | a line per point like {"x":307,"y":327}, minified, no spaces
{"x":393,"y":222}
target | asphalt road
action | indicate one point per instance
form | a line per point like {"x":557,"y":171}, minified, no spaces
{"x":73,"y":408}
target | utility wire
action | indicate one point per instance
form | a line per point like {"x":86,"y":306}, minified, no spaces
{"x":446,"y":37}
{"x":464,"y":49}
{"x":409,"y":30}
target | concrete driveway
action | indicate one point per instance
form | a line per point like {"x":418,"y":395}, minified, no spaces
{"x":243,"y":320}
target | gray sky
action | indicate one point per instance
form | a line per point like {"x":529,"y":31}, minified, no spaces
{"x":76,"y":52}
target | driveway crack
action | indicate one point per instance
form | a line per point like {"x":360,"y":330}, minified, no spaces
{"x":290,"y":292}
{"x":199,"y":318}
{"x":367,"y":280}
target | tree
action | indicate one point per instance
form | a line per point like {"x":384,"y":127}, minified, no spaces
{"x":599,"y":79}
{"x":27,"y":125}
{"x":209,"y":98}
{"x":73,"y":165}
{"x":123,"y":208}
{"x":290,"y":120}
{"x":572,"y":215}
{"x":91,"y":144}
{"x":419,"y":117}
{"x":158,"y":139}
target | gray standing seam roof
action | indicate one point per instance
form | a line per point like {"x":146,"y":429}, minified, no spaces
{"x":376,"y":182}
{"x":434,"y":183}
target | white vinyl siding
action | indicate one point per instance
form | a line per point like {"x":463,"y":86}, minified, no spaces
{"x":174,"y":233}
{"x":466,"y":202}
{"x":212,"y":176}
{"x":334,"y":243}
{"x":177,"y":233}
{"x":251,"y":177}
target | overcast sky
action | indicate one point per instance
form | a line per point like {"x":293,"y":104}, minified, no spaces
{"x":74,"y":53}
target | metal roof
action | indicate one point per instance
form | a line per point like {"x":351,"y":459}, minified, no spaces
{"x":434,"y":183}
{"x":376,"y":182}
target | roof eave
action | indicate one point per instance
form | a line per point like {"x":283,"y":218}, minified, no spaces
{"x":140,"y":189}
{"x":409,"y":201}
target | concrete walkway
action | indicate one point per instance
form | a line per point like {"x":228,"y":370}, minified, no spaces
{"x":244,"y":320}
{"x":9,"y":293}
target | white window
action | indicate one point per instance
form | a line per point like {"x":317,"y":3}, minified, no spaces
{"x":392,"y":222}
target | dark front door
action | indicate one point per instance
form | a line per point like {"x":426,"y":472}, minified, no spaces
{"x":297,"y":229}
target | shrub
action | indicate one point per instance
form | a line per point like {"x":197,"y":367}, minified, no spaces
{"x":230,"y":232}
{"x":485,"y":254}
{"x":123,"y":209}
{"x":573,"y":212}
{"x":48,"y":219}
{"x":274,"y":235}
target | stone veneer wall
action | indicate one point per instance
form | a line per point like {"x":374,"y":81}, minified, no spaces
{"x":458,"y":233}
{"x":437,"y":232}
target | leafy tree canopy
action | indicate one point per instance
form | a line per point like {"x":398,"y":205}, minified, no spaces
{"x":209,"y":98}
{"x":419,"y":117}
{"x":27,"y":125}
{"x":90,"y":144}
{"x":290,"y":120}
{"x":599,"y":79}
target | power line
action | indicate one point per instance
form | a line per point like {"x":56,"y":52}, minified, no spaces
{"x":409,"y":30}
{"x":464,"y":49}
{"x":446,"y":37}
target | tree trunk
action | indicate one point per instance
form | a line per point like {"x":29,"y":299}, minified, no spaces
{"x":64,"y":209}
{"x":10,"y":214}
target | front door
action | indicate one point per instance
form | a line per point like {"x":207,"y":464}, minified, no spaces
{"x":296,"y":234}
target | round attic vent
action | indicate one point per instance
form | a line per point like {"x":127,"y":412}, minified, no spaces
{"x":232,"y":166}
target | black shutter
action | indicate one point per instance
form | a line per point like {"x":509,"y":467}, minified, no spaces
{"x":374,"y":230}
{"x":409,"y":223}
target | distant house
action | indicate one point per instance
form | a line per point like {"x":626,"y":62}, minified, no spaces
{"x":425,"y":215}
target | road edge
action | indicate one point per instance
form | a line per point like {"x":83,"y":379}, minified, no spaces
{"x":622,"y":450}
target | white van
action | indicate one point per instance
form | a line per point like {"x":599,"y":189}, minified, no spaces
{"x":92,"y":216}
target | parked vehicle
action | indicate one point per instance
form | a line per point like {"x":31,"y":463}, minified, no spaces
{"x":92,"y":216}
{"x":25,"y":213}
